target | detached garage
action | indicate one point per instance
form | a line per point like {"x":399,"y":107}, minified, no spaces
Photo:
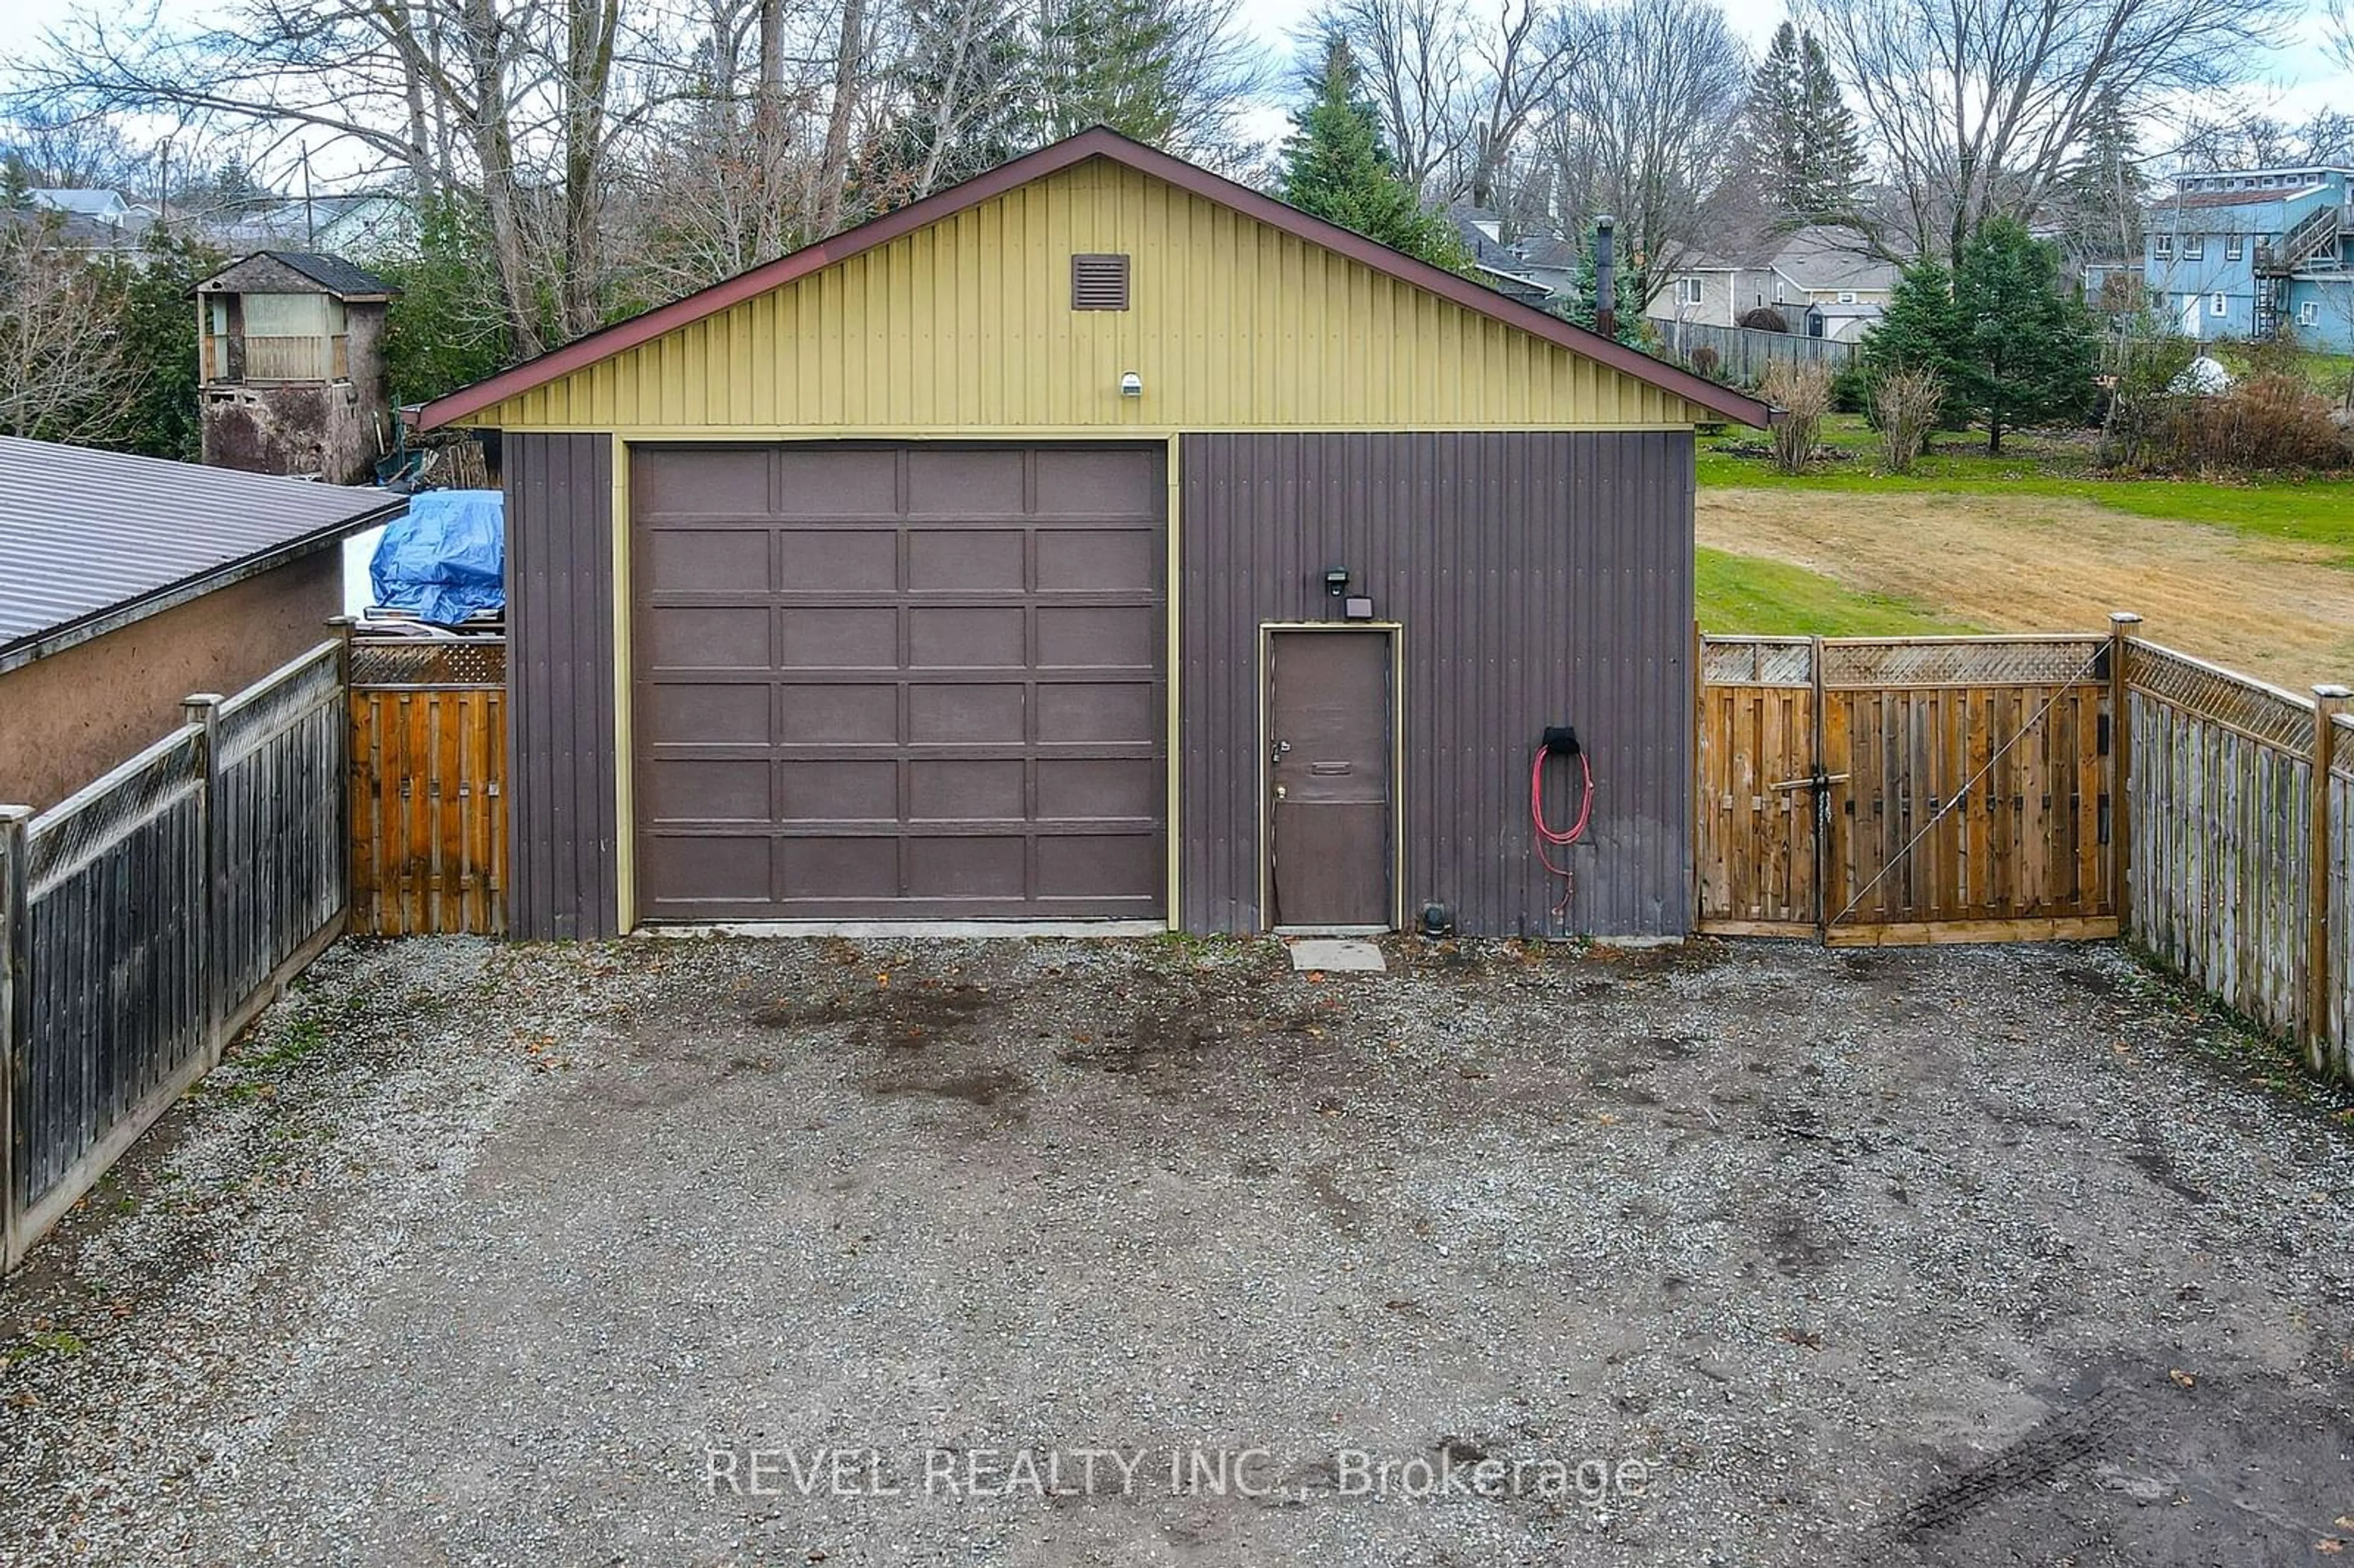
{"x":1098,"y":540}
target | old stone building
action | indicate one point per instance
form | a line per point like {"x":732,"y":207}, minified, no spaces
{"x":292,"y":366}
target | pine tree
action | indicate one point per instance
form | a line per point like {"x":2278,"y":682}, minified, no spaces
{"x":2103,"y":188}
{"x":1918,"y":332}
{"x":1335,"y":168}
{"x":2022,"y":347}
{"x":16,"y":185}
{"x":1112,"y":62}
{"x":1801,"y":142}
{"x":1577,"y":305}
{"x":1830,"y":156}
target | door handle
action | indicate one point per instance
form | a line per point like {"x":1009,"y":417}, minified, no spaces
{"x":1281,"y":793}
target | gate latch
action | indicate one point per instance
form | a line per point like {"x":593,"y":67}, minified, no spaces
{"x":1820,"y":783}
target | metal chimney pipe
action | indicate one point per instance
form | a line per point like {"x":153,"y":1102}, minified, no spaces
{"x":1605,"y":278}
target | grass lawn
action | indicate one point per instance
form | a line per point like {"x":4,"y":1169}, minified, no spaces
{"x":2312,"y":511}
{"x":1749,"y":595}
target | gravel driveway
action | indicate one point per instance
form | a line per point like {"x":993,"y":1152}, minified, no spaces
{"x":1066,"y":1252}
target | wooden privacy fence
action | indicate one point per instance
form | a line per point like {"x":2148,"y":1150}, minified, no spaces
{"x":1743,"y":353}
{"x":1928,"y":789}
{"x":146,"y":918}
{"x":428,"y":787}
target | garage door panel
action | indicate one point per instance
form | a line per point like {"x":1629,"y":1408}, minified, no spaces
{"x":838,"y":790}
{"x":924,"y":681}
{"x":967,"y":560}
{"x":716,"y":480}
{"x":951,"y":636}
{"x":969,"y":866}
{"x":810,"y":715}
{"x":836,"y":482}
{"x":828,"y":636}
{"x":1093,"y":788}
{"x":706,"y":713}
{"x":1122,"y":636}
{"x":710,"y":560}
{"x":707,"y":789}
{"x":1106,"y":484}
{"x":965,"y":789}
{"x":1074,"y":712}
{"x":837,"y":868}
{"x":967,"y":482}
{"x":702,"y":868}
{"x":1097,"y":560}
{"x":708,"y":637}
{"x":1075,"y":866}
{"x":962,"y":714}
{"x":838,"y":560}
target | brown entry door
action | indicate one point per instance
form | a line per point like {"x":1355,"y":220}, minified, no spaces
{"x":1329,"y":739}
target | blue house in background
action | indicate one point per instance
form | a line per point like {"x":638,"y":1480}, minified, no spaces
{"x":2244,"y":253}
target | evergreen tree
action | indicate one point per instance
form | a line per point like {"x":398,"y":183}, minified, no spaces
{"x":2103,"y":188}
{"x":16,"y":185}
{"x":1577,"y":305}
{"x":1335,"y":168}
{"x":2022,"y":348}
{"x":1918,"y":332}
{"x":1801,"y":138}
{"x":1112,"y":62}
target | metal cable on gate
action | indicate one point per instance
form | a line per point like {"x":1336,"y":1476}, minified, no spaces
{"x":1970,"y":783}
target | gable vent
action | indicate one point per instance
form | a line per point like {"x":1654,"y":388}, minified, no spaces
{"x":1098,"y":282}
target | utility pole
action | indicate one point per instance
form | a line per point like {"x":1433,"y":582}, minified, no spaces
{"x":310,"y":220}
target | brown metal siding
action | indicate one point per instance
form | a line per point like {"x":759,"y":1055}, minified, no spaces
{"x":560,"y":767}
{"x":1540,"y":578}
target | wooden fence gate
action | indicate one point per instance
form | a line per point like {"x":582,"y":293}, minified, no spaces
{"x":1910,"y":790}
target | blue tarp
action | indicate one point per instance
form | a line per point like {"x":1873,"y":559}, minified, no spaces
{"x":446,"y":559}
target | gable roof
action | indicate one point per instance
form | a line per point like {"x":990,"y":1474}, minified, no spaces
{"x":1098,"y":143}
{"x":90,"y":541}
{"x":332,"y":274}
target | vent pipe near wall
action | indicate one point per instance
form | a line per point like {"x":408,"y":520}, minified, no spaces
{"x":1605,"y":278}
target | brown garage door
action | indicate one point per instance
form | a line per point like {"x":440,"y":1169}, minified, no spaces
{"x":910,"y":682}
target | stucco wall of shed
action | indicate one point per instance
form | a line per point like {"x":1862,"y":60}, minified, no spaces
{"x":965,"y":326}
{"x":67,"y":718}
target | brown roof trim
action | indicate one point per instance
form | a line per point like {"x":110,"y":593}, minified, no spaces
{"x":1098,"y":143}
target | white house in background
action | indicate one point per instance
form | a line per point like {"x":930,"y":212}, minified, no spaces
{"x":373,"y":224}
{"x":95,"y":220}
{"x":1818,"y":265}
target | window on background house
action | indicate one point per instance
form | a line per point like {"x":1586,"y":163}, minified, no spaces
{"x":1847,"y":296}
{"x":2194,"y":247}
{"x":2307,"y":313}
{"x":2235,"y":245}
{"x":2162,"y":246}
{"x":2215,"y":304}
{"x":1688,"y":291}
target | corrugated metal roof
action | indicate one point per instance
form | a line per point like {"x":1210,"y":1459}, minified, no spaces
{"x":88,"y":535}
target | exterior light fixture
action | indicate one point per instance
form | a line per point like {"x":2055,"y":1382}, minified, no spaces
{"x":1336,"y":581}
{"x":1131,"y":384}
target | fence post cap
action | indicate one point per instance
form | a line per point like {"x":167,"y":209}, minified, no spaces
{"x":2332,"y":693}
{"x":13,"y":814}
{"x":2124,"y":618}
{"x":203,"y":700}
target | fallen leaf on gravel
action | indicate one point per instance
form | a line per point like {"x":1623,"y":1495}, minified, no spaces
{"x":2344,"y":1522}
{"x":2182,"y":1379}
{"x":2329,"y":1544}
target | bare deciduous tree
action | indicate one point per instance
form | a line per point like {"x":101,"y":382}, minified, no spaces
{"x":64,"y":374}
{"x":1975,"y":107}
{"x":1644,"y":127}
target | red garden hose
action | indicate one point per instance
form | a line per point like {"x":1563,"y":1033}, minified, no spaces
{"x":1559,"y":838}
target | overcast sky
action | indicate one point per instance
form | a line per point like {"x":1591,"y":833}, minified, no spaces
{"x":2298,"y":80}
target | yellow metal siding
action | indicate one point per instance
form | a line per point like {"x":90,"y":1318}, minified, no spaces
{"x":967,"y":324}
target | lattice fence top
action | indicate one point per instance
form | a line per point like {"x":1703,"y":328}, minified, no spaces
{"x":429,"y":662}
{"x":1758,"y":661}
{"x":86,"y":823}
{"x":2263,"y":714}
{"x":2341,"y":757}
{"x":1961,"y":661}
